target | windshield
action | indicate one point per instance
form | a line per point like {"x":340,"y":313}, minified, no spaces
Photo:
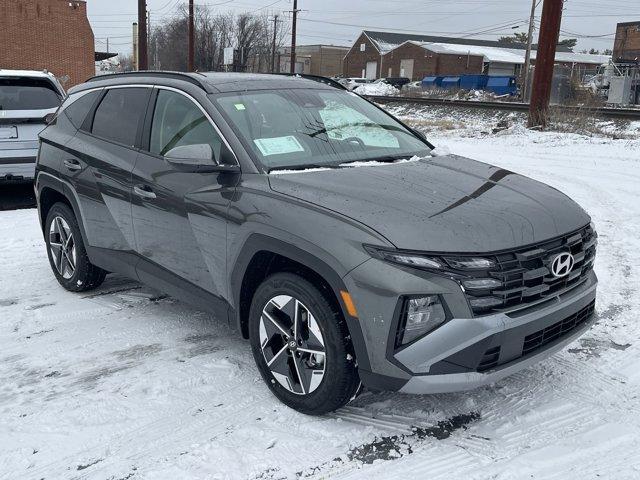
{"x":27,"y":94}
{"x":287,"y":129}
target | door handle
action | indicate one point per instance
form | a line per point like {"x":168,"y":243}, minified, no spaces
{"x":144,"y":191}
{"x":73,"y":165}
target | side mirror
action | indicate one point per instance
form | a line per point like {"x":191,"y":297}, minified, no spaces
{"x":197,"y":154}
{"x":198,"y":158}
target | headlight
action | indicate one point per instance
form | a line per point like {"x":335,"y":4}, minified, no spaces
{"x":404,"y":258}
{"x":420,"y":316}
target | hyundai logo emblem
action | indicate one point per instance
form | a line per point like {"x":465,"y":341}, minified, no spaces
{"x":562,"y":264}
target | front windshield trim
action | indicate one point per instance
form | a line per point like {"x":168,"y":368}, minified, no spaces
{"x":266,"y":168}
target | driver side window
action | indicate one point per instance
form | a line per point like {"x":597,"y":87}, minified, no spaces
{"x":178,"y":122}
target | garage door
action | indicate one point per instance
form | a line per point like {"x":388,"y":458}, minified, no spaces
{"x":497,"y":68}
{"x":406,"y":68}
{"x":372,"y":70}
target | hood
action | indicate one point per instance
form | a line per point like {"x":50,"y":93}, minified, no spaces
{"x":442,"y":204}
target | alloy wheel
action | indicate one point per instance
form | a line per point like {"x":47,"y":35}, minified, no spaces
{"x":292,"y":344}
{"x":63,"y":247}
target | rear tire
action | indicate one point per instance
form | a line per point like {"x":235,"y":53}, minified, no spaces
{"x":66,"y":251}
{"x":316,"y":375}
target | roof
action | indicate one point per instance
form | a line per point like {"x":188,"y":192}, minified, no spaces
{"x":211,"y":82}
{"x":26,"y":73}
{"x":509,"y":55}
{"x":490,"y":54}
{"x":386,"y":41}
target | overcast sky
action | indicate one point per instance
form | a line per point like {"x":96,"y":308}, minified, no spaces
{"x":339,"y":22}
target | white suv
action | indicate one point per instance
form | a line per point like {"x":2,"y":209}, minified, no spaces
{"x":26,"y":98}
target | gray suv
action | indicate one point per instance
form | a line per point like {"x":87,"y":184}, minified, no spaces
{"x":320,"y":226}
{"x":27,"y":98}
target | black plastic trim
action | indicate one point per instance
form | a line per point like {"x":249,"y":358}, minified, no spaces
{"x":258,"y":242}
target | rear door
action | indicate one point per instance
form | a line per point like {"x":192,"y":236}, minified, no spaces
{"x":99,"y":163}
{"x":179,"y":215}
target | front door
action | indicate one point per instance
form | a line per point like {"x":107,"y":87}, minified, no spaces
{"x":179,"y":215}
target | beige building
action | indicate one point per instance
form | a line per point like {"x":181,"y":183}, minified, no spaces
{"x":323,"y":60}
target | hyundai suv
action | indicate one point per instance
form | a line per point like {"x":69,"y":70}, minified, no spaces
{"x":320,"y":226}
{"x":26,"y":99}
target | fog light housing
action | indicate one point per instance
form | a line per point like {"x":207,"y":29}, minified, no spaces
{"x":420,"y":315}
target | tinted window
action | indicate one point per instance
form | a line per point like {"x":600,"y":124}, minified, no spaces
{"x":178,"y":122}
{"x":120,"y":113}
{"x":80,"y":107}
{"x":28,"y":94}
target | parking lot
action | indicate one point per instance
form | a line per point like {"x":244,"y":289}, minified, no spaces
{"x":127,"y":383}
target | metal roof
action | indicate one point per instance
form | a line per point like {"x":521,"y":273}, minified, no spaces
{"x":509,"y":55}
{"x":386,"y":41}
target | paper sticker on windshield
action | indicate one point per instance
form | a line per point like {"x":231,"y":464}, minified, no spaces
{"x":278,"y":145}
{"x":240,"y":106}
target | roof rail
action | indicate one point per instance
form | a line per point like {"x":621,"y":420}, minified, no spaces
{"x":188,"y":77}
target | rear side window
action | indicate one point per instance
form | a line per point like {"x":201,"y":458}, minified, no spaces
{"x":120,"y":113}
{"x":23,"y":93}
{"x":80,"y":108}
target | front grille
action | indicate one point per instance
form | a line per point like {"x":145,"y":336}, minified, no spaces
{"x":525,"y":274}
{"x":539,"y":339}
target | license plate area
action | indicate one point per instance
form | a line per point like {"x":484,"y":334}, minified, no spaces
{"x":8,"y":133}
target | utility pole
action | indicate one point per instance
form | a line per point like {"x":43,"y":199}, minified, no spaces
{"x":107,"y":44}
{"x":527,"y":58}
{"x":135,"y":47}
{"x":545,"y":60}
{"x":294,"y":18}
{"x":143,"y":52}
{"x":273,"y":45}
{"x":191,"y":54}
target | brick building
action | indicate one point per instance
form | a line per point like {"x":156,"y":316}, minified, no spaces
{"x":626,"y":46}
{"x":53,"y":35}
{"x":389,"y":54}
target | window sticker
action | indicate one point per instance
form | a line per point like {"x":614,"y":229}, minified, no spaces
{"x":278,"y":145}
{"x":239,"y":106}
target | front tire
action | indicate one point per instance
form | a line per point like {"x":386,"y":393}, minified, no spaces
{"x":301,"y":345}
{"x":66,"y":251}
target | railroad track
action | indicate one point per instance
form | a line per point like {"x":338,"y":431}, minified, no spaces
{"x":627,"y":113}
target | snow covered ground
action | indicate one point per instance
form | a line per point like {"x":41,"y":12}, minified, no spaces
{"x":126,"y":383}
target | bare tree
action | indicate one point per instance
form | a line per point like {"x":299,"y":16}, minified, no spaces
{"x":250,"y":34}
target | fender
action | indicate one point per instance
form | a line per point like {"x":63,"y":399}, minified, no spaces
{"x":258,"y":242}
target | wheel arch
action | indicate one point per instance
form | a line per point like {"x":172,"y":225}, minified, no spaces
{"x":262,"y":256}
{"x":51,"y":190}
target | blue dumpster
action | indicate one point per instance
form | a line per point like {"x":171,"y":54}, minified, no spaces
{"x":473,"y":82}
{"x":429,"y":82}
{"x":502,"y":85}
{"x":451,"y":82}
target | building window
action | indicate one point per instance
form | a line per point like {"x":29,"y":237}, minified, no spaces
{"x":362,"y":47}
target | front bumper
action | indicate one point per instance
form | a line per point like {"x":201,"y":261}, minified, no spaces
{"x":466,"y":353}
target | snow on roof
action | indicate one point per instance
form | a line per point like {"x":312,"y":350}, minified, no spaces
{"x":507,"y":55}
{"x":25,"y":73}
{"x":571,"y":57}
{"x":490,"y":54}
